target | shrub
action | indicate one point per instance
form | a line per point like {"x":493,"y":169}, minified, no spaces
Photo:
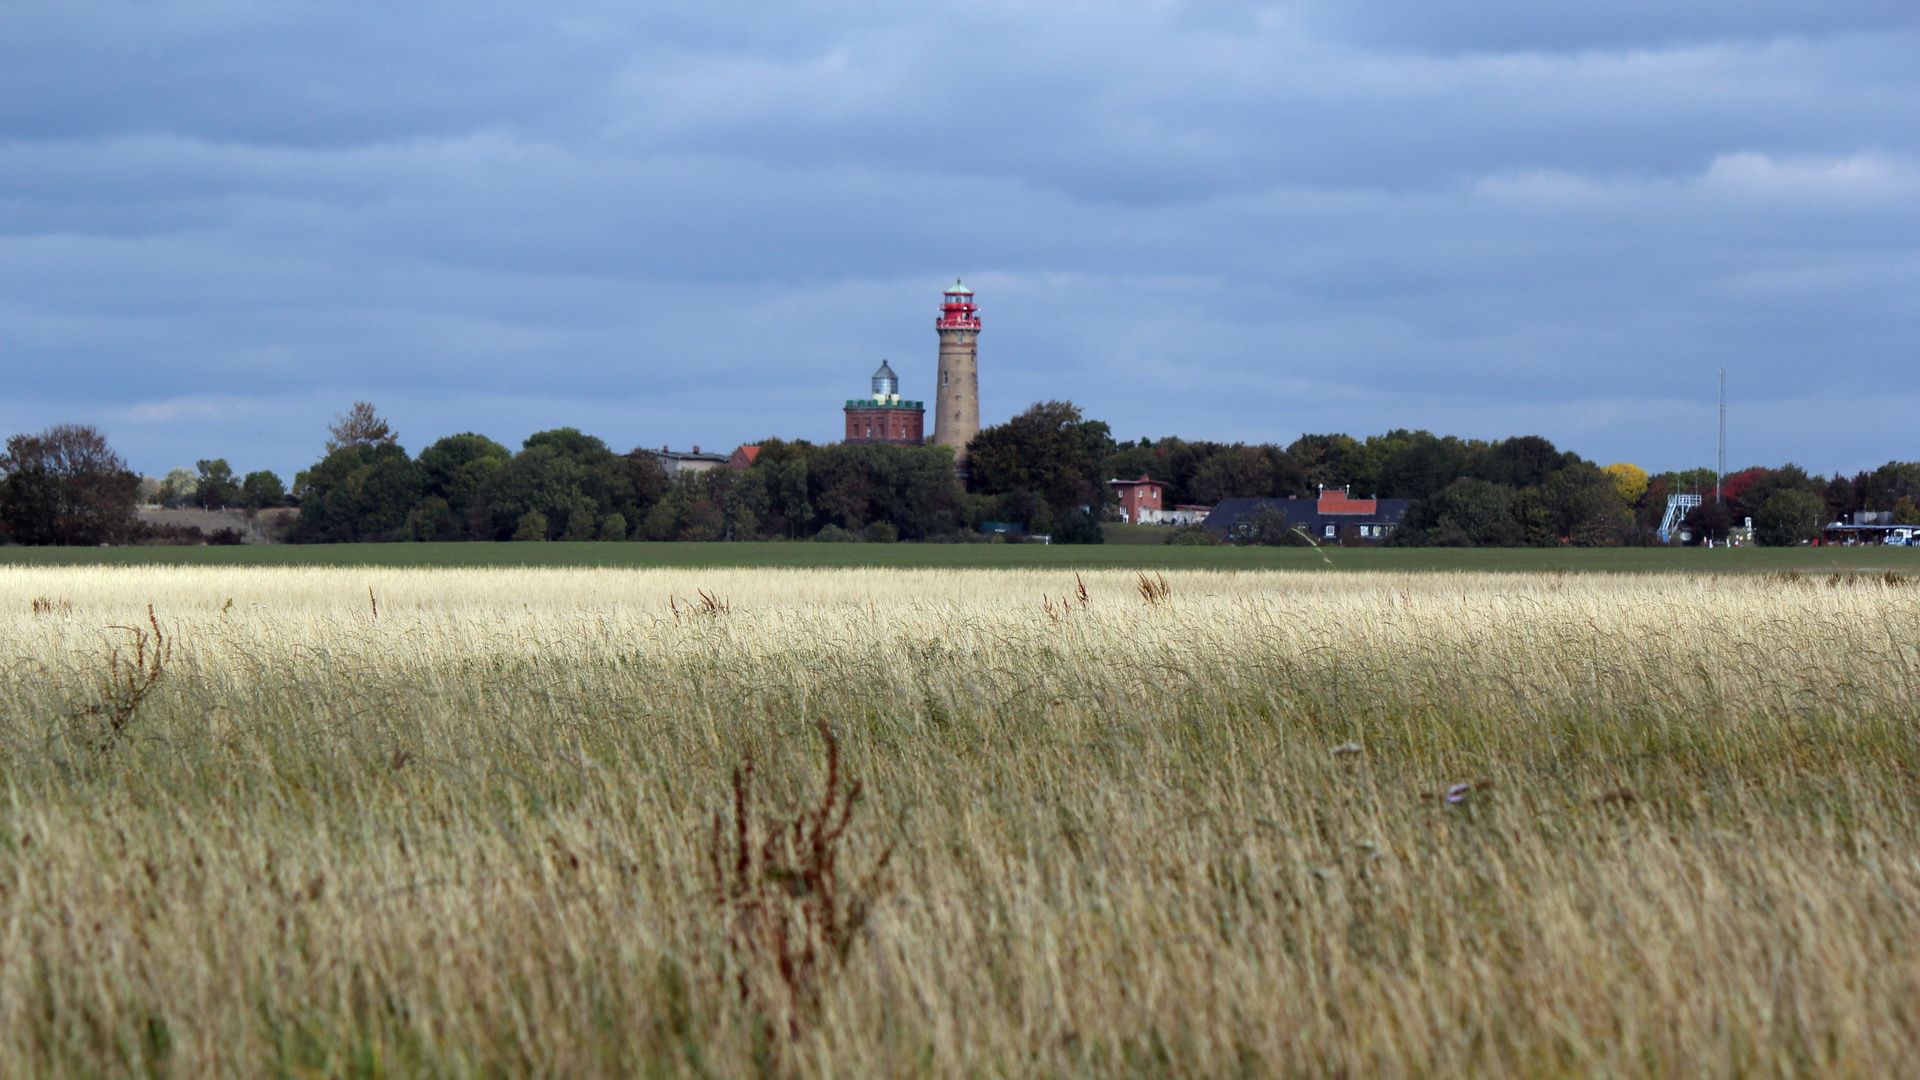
{"x":881,"y":532}
{"x":834,"y":534}
{"x":1078,"y":527}
{"x":533,"y":526}
{"x":1193,"y":536}
{"x":614,"y":527}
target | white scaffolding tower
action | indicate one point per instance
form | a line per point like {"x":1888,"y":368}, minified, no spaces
{"x":1677,"y":507}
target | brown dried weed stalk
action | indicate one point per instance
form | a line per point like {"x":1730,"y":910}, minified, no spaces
{"x":126,"y":685}
{"x":792,"y":918}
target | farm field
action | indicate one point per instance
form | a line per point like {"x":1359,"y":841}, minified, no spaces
{"x":377,"y":821}
{"x":1123,"y":556}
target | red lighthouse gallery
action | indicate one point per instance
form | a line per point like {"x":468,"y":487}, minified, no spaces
{"x":886,"y":417}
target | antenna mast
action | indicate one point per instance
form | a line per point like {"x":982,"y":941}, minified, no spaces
{"x":1720,"y":467}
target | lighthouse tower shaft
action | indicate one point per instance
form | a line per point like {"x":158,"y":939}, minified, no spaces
{"x":956,"y":399}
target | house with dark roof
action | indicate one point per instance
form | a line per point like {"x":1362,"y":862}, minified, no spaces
{"x":684,"y":461}
{"x":1333,"y":518}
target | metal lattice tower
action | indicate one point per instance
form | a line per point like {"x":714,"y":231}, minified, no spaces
{"x":1677,"y":507}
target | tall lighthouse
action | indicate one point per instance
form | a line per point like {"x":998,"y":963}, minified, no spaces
{"x":956,"y":396}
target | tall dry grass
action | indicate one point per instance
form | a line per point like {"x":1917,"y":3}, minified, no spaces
{"x":1247,"y":824}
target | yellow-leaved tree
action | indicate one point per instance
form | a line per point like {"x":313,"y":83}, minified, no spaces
{"x":1629,"y":480}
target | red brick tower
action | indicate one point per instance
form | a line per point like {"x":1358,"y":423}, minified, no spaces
{"x":886,"y":417}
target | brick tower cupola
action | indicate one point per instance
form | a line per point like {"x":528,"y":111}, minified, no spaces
{"x":956,"y":395}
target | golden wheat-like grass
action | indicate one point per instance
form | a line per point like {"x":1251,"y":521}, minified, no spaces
{"x":1248,"y":824}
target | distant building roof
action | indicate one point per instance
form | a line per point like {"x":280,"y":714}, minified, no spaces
{"x":1307,"y":513}
{"x":743,"y":458}
{"x":1144,"y":479}
{"x":665,"y":454}
{"x":1337,"y":502}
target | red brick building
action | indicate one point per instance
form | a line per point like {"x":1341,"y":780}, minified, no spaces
{"x":886,"y":417}
{"x":1140,"y":500}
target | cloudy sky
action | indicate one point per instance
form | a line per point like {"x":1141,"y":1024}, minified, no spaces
{"x":679,"y":223}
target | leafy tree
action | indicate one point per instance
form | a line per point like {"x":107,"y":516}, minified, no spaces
{"x":785,"y":484}
{"x":1790,"y":516}
{"x":1708,"y":521}
{"x":541,"y":480}
{"x":214,"y":487}
{"x":358,"y":493}
{"x":176,"y":485}
{"x":65,"y":486}
{"x":1078,"y":526}
{"x":613,"y":527}
{"x":1888,"y":484}
{"x":1692,"y":482}
{"x":1327,"y":461}
{"x":1047,"y":450}
{"x":1523,"y":461}
{"x":1842,"y":498}
{"x":1417,"y":464}
{"x":359,"y":428}
{"x":667,"y":516}
{"x":1629,"y":480}
{"x":705,"y":521}
{"x":1237,"y":472}
{"x":645,"y":480}
{"x":1585,"y":508}
{"x":532,"y":526}
{"x":262,"y":490}
{"x":1140,"y":458}
{"x":434,"y":520}
{"x":1467,"y":513}
{"x":457,"y":469}
{"x":1758,"y":485}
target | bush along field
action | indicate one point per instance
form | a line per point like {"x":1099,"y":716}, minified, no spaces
{"x":711,"y":822}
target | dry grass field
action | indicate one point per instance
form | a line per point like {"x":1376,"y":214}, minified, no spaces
{"x":366,"y":822}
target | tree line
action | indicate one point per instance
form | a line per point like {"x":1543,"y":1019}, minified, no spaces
{"x":1043,"y":471}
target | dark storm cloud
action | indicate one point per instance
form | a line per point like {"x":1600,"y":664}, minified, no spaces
{"x":685,"y":223}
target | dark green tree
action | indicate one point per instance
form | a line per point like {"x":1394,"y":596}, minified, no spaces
{"x":1789,"y":516}
{"x":1078,"y":526}
{"x":1047,"y":450}
{"x":1585,"y":507}
{"x":1708,"y":521}
{"x":1236,"y":472}
{"x":262,"y":490}
{"x":1842,"y":498}
{"x":214,"y":486}
{"x":362,"y":492}
{"x":1466,"y":513}
{"x":456,"y":470}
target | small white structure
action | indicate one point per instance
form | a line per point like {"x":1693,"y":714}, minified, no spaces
{"x":693,"y":461}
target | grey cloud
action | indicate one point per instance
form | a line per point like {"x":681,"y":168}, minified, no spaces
{"x":220,"y":223}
